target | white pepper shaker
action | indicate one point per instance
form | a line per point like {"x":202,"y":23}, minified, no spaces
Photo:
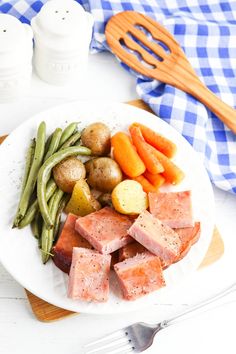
{"x":62,"y":35}
{"x":16,"y":50}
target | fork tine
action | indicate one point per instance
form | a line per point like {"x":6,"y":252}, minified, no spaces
{"x":108,"y":347}
{"x":114,"y":336}
{"x":123,"y":350}
{"x":112,"y":348}
{"x":126,"y":351}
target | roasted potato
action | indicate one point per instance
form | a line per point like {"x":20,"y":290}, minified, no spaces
{"x":97,"y":137}
{"x":68,"y":172}
{"x":129,"y":198}
{"x":82,"y":202}
{"x":103,"y":174}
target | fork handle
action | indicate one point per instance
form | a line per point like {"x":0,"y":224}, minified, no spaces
{"x":200,"y":305}
{"x":222,"y":110}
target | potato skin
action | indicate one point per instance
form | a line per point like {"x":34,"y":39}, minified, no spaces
{"x":103,"y":174}
{"x":97,"y":137}
{"x":82,"y":201}
{"x":68,"y":172}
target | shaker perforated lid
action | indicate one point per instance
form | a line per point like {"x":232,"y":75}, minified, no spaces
{"x":16,"y":45}
{"x":14,"y":35}
{"x":61,"y":24}
{"x":16,"y":50}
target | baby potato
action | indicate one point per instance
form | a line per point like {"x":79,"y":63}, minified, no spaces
{"x":68,"y":172}
{"x":82,"y":201}
{"x":129,"y":198}
{"x":97,"y":137}
{"x":103,"y":174}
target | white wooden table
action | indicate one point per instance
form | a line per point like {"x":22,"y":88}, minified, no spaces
{"x":211,"y":332}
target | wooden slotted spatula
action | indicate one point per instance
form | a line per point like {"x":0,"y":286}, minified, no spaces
{"x":159,"y":56}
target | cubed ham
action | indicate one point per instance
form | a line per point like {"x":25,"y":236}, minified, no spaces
{"x":89,"y":275}
{"x":105,"y":229}
{"x":130,"y":250}
{"x":68,"y":239}
{"x":173,"y":208}
{"x":157,"y":237}
{"x":114,"y":258}
{"x":188,"y":236}
{"x":139,"y":275}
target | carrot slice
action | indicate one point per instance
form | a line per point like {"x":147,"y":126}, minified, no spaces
{"x":147,"y":186}
{"x":156,"y":180}
{"x":172,"y":173}
{"x":145,"y":151}
{"x":126,"y":155}
{"x":166,"y":146}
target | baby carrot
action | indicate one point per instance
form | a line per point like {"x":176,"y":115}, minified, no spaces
{"x":156,"y":180}
{"x":145,"y":151}
{"x":172,"y":173}
{"x":166,"y":146}
{"x":147,"y":186}
{"x":126,"y":155}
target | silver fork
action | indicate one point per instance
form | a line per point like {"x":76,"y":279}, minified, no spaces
{"x":139,"y":336}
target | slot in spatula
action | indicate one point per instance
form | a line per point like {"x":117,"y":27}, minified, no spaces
{"x":148,"y":48}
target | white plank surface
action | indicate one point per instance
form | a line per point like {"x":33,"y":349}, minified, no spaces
{"x":212,"y":332}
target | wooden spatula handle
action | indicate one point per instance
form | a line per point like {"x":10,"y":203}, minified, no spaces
{"x":222,"y":110}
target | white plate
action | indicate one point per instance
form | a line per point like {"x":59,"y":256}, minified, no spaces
{"x":19,"y":253}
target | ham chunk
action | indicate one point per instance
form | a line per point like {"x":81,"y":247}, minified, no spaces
{"x":139,"y":275}
{"x":188,"y":236}
{"x":89,"y":275}
{"x":157,"y":237}
{"x":68,"y":239}
{"x":174,"y":208}
{"x":114,"y":258}
{"x":130,"y":250}
{"x":105,"y":229}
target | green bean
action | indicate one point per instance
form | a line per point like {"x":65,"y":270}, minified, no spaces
{"x":44,"y":175}
{"x":32,"y":177}
{"x":71,"y":141}
{"x":47,"y":144}
{"x":47,"y":234}
{"x":44,"y":243}
{"x":54,"y":143}
{"x":51,"y":188}
{"x":36,"y":226}
{"x":57,"y":223}
{"x":32,"y":210}
{"x":29,"y":158}
{"x":78,"y":142}
{"x":69,"y":130}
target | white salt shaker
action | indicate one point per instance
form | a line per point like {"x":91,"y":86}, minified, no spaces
{"x":16,"y":50}
{"x":62,"y":35}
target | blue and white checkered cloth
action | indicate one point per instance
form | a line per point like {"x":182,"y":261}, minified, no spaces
{"x":206,"y":30}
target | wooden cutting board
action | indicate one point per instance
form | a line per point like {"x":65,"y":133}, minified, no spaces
{"x":47,"y":313}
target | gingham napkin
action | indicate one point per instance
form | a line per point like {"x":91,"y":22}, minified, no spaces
{"x":206,"y":30}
